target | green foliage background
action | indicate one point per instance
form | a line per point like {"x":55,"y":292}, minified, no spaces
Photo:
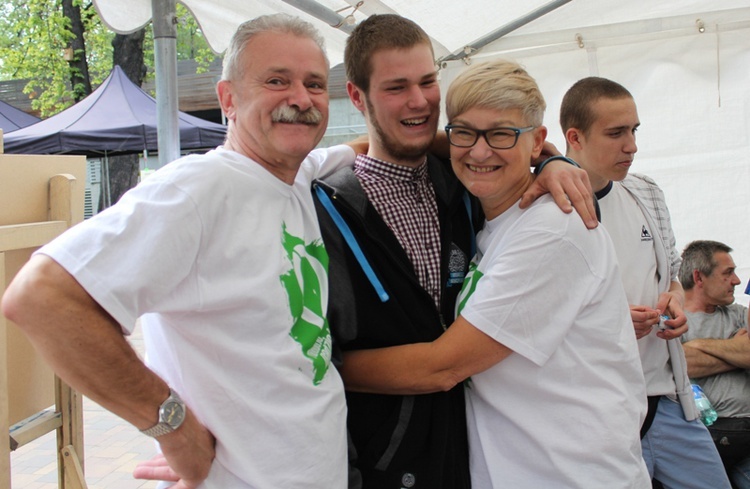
{"x":35,"y":33}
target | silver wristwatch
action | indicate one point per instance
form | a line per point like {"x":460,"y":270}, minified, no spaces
{"x":171,"y":415}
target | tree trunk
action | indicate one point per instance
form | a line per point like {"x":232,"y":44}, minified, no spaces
{"x":124,"y":170}
{"x":128,"y":53}
{"x":79,"y":73}
{"x":123,"y":175}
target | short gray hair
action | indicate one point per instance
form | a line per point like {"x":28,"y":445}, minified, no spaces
{"x":233,"y":70}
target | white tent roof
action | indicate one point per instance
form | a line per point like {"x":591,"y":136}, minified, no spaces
{"x":453,"y":24}
{"x":691,"y":87}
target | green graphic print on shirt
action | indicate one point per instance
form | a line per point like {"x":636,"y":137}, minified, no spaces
{"x":467,"y":290}
{"x":469,"y":286}
{"x":303,"y":284}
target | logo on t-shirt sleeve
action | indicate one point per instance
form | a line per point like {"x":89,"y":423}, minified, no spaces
{"x":304,"y":284}
{"x":470,"y":285}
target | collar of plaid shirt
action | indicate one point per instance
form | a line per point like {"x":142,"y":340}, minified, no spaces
{"x":405,"y":199}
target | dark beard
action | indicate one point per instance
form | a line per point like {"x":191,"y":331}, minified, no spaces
{"x":395,"y":149}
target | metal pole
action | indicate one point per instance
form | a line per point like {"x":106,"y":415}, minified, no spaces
{"x":164,"y":17}
{"x":323,"y":13}
{"x":502,"y":31}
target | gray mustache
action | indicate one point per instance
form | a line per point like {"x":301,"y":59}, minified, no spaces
{"x":293,"y":115}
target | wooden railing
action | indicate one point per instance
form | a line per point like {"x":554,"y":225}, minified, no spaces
{"x":66,"y":417}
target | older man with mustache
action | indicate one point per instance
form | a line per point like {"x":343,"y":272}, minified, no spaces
{"x":221,"y":257}
{"x":718,"y":350}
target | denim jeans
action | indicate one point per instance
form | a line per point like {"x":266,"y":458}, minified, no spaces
{"x":681,"y":454}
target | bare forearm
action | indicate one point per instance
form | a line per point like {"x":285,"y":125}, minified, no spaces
{"x":82,"y":343}
{"x":400,"y":370}
{"x":701,"y":364}
{"x":421,"y":368}
{"x":735,"y":352}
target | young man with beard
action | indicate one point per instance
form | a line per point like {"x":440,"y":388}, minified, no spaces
{"x":415,"y":225}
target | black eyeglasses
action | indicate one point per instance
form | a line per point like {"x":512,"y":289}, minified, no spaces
{"x":497,"y":137}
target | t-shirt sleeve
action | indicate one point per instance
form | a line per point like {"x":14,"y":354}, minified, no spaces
{"x":322,"y":162}
{"x":133,"y":257}
{"x":531,"y":292}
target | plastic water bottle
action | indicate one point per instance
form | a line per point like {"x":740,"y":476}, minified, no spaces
{"x":707,"y":412}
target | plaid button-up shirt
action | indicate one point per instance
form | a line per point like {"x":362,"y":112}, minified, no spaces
{"x":405,"y":199}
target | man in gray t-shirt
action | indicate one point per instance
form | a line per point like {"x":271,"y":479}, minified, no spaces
{"x":717,"y":349}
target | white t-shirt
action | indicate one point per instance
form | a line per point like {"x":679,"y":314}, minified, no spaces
{"x":564,"y":410}
{"x":226,"y":265}
{"x":634,"y":245}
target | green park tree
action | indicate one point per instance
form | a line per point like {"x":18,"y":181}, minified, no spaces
{"x":64,"y":51}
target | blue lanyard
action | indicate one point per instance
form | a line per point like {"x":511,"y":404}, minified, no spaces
{"x":346,"y":232}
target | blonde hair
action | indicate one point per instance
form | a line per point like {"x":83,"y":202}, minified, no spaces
{"x":500,"y":85}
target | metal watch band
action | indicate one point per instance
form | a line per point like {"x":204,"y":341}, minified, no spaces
{"x":158,"y":429}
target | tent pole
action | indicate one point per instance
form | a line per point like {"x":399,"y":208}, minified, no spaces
{"x":502,"y":31}
{"x":323,"y":13}
{"x":164,"y":17}
{"x":107,"y":187}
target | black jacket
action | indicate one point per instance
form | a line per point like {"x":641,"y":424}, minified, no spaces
{"x":400,"y":441}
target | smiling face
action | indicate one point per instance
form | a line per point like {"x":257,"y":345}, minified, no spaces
{"x":498,"y":177}
{"x":278,"y":110}
{"x":402,"y":104}
{"x":607,"y":149}
{"x":718,"y":288}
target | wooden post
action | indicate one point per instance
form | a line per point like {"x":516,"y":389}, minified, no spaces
{"x":68,"y":402}
{"x":72,"y":470}
{"x":63,"y":200}
{"x":69,"y":437}
{"x":4,"y":404}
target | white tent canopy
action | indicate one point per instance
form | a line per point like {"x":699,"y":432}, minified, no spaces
{"x":451,"y":24}
{"x":687,"y":63}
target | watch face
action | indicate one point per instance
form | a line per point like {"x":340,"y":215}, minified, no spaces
{"x":173,"y":414}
